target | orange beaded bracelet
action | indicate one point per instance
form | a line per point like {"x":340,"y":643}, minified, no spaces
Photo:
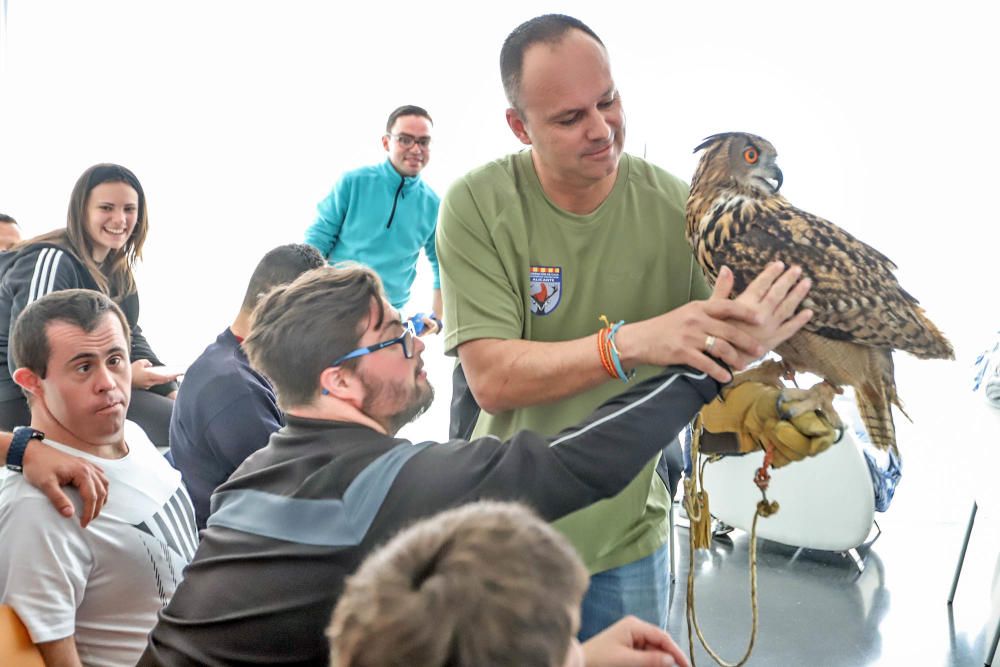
{"x":604,"y":351}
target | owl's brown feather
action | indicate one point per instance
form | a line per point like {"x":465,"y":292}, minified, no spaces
{"x":735,"y":217}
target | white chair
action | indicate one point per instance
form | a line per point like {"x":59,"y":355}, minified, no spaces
{"x":826,"y":502}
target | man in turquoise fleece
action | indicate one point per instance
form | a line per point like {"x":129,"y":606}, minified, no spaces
{"x":382,"y":215}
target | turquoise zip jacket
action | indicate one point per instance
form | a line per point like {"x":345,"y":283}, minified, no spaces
{"x":379,"y":218}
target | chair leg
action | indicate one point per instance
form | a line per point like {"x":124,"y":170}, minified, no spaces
{"x":992,"y":649}
{"x":673,"y":542}
{"x":961,"y":556}
{"x":859,"y":562}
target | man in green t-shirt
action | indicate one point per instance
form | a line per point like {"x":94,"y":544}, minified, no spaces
{"x":536,"y":247}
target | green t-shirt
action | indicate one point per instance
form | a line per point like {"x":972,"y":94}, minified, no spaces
{"x":514,"y":265}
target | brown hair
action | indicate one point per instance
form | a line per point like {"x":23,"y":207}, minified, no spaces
{"x":114,"y":275}
{"x":299,"y":329}
{"x":80,"y":307}
{"x":546,"y":29}
{"x":488,"y":583}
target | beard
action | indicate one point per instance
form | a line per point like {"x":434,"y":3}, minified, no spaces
{"x":394,"y":405}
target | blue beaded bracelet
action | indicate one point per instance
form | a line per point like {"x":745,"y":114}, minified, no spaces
{"x":615,"y":356}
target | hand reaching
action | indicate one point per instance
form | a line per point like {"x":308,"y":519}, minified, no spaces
{"x":774,"y":294}
{"x":734,"y":331}
{"x":146,"y":375}
{"x":633,"y":643}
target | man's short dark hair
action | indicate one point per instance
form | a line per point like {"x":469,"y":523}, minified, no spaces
{"x":280,"y":266}
{"x":83,"y":308}
{"x":546,"y":29}
{"x":6,"y":218}
{"x":406,"y":110}
{"x":299,"y":329}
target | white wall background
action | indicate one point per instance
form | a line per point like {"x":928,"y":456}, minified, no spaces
{"x":238,"y":117}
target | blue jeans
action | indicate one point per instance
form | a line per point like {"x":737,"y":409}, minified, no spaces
{"x":640,"y":588}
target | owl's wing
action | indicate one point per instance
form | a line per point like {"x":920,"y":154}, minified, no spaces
{"x":855,"y":295}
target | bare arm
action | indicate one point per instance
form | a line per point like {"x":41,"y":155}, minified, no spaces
{"x":49,"y":470}
{"x":60,"y":653}
{"x":508,"y":374}
{"x":437,"y":305}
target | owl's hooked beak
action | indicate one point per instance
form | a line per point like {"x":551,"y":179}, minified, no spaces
{"x":775,"y":178}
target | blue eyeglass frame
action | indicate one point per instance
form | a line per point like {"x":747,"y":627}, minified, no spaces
{"x":408,"y":330}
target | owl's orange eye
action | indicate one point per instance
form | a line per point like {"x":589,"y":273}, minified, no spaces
{"x":750,"y":155}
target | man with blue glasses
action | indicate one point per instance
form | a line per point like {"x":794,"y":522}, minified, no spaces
{"x":300,"y":515}
{"x":382,"y":215}
{"x":404,"y":340}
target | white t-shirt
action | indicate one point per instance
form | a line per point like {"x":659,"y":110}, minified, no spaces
{"x":106,"y":583}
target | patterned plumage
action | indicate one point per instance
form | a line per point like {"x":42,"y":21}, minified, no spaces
{"x":735,"y":217}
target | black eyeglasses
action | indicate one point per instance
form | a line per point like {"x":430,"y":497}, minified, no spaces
{"x":405,"y":340}
{"x":407,"y":140}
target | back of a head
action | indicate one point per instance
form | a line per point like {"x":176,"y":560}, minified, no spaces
{"x":280,"y":266}
{"x":545,"y":29}
{"x":298,"y":329}
{"x":10,"y":232}
{"x":487,"y":583}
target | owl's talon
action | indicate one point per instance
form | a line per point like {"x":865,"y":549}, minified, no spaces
{"x":794,"y":402}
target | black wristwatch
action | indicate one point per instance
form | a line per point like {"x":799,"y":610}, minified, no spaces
{"x":15,"y":454}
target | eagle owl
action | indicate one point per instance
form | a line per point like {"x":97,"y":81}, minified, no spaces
{"x":736,"y":218}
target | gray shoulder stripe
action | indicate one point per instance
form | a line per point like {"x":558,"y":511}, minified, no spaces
{"x":626,"y":408}
{"x":325,"y":522}
{"x":175,"y":507}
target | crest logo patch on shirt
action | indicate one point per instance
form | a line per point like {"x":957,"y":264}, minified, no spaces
{"x":546,"y":289}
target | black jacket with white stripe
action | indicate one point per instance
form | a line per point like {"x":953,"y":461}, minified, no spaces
{"x":36,"y":270}
{"x":301,"y":514}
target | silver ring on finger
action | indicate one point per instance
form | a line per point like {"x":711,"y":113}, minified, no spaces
{"x":709,"y":343}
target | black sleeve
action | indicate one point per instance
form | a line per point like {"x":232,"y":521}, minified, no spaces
{"x":31,"y":276}
{"x":557,"y":475}
{"x":140,"y":346}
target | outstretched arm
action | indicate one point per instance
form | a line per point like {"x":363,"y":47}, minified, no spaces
{"x":562,"y":473}
{"x":509,"y":374}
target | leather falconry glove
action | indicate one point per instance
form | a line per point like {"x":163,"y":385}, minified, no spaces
{"x":750,"y":411}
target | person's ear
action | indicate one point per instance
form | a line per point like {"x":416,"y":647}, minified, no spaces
{"x":385,"y":142}
{"x":516,"y":124}
{"x":341,"y":383}
{"x":28,"y":380}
